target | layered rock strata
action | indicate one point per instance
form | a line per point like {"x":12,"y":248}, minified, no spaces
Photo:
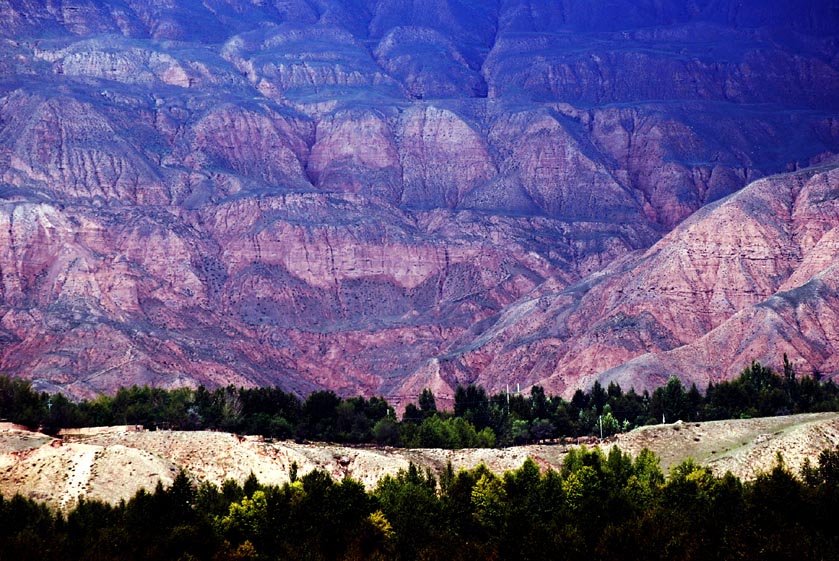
{"x":374,"y":197}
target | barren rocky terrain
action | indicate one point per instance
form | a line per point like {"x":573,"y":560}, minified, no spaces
{"x":112,"y":463}
{"x":750,"y":277}
{"x":376,"y":196}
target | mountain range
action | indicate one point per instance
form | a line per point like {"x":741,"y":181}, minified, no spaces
{"x":378,"y":196}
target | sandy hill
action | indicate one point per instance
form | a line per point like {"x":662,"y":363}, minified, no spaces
{"x":113,"y":463}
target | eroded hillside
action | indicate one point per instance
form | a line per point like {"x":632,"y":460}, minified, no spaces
{"x":378,"y":196}
{"x":111,"y":464}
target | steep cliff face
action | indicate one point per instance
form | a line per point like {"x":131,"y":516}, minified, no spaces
{"x":378,"y":196}
{"x":428,"y":63}
{"x":356,"y":152}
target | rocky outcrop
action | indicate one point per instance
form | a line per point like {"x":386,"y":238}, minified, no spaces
{"x":567,"y":68}
{"x":315,"y":62}
{"x":428,"y":64}
{"x":559,"y":174}
{"x":356,"y":152}
{"x":63,"y":146}
{"x":261,"y":144}
{"x":253,"y":290}
{"x":443,"y":159}
{"x":116,"y":58}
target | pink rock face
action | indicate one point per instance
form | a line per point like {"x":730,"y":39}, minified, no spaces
{"x":652,"y":150}
{"x":356,"y":152}
{"x":59,"y":146}
{"x":443,"y":158}
{"x":376,"y":197}
{"x":319,"y":61}
{"x":748,"y":278}
{"x":119,"y":59}
{"x":262,"y":144}
{"x":553,"y":171}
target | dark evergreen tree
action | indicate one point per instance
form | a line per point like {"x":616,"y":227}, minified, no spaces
{"x":427,"y":403}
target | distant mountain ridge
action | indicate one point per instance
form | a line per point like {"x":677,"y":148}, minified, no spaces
{"x":378,"y":196}
{"x":750,"y":277}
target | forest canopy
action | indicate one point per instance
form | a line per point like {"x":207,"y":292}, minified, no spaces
{"x":599,"y":505}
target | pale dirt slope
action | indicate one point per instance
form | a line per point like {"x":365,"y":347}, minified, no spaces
{"x":112,"y":465}
{"x":745,"y":446}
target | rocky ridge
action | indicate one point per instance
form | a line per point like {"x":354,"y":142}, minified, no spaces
{"x":747,"y":278}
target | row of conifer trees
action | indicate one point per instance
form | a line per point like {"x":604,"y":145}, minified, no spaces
{"x":597,"y":506}
{"x":476,"y":420}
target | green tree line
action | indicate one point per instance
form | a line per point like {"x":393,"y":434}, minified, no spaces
{"x":477,"y":420}
{"x":597,"y":506}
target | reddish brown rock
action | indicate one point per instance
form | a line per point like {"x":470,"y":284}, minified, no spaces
{"x":66,"y":147}
{"x":265,"y":199}
{"x":555,"y":172}
{"x":748,"y":278}
{"x":261,"y":144}
{"x":443,"y":158}
{"x":356,"y":152}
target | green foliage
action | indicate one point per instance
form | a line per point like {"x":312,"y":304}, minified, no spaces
{"x":758,"y":392}
{"x":472,"y":403}
{"x":598,"y":506}
{"x":489,"y":500}
{"x":386,"y":432}
{"x":671,"y":402}
{"x":409,"y":502}
{"x":246,"y":518}
{"x":21,"y":404}
{"x":427,"y":403}
{"x":478,"y":420}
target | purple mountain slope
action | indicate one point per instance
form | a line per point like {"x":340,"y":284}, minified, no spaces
{"x":379,"y":196}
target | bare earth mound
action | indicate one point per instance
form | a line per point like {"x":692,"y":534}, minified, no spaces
{"x":112,"y":464}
